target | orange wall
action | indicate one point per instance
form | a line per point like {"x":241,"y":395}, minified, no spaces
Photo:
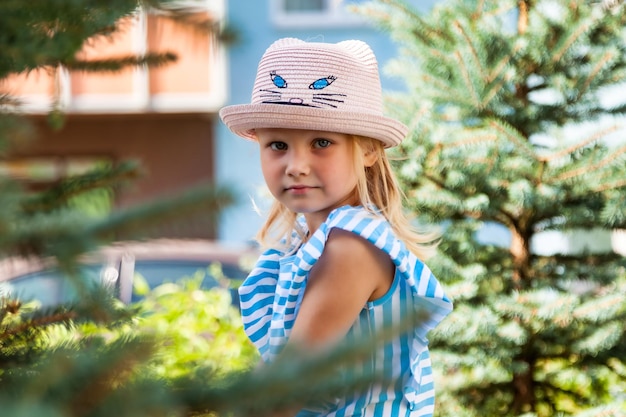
{"x":132,"y":89}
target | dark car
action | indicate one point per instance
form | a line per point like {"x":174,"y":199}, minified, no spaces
{"x":120,"y":264}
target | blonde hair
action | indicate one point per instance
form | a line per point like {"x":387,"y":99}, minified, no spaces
{"x":376,"y":187}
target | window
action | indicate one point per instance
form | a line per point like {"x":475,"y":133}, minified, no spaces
{"x":292,"y":6}
{"x":314,"y":13}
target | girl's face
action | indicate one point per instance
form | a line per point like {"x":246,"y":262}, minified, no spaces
{"x":309,"y":172}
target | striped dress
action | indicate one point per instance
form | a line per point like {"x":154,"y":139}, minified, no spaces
{"x":272,"y":293}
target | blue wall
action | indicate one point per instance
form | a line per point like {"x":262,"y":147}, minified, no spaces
{"x":237,"y":159}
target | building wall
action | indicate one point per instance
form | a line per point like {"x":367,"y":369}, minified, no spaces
{"x":193,"y":83}
{"x":161,"y":116}
{"x":175,"y":152}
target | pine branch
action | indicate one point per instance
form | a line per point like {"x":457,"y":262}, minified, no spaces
{"x":103,"y":377}
{"x":36,"y":323}
{"x":190,"y":17}
{"x":484,"y":138}
{"x":565,"y":44}
{"x":608,"y":56}
{"x":467,"y":78}
{"x":594,"y":311}
{"x":513,"y":135}
{"x":618,"y":110}
{"x":151,"y":59}
{"x":445,"y":89}
{"x":592,"y":167}
{"x":56,"y":32}
{"x":499,"y":9}
{"x":428,"y":34}
{"x":493,"y":91}
{"x":198,"y":199}
{"x":58,"y":195}
{"x":66,"y":234}
{"x":580,"y":145}
{"x":606,"y":186}
{"x":470,"y":45}
{"x":9,"y":102}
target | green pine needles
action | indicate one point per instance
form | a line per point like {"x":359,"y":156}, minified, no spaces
{"x":517,"y":116}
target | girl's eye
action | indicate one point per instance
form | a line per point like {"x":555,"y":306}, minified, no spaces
{"x":278,"y":146}
{"x":322,"y":143}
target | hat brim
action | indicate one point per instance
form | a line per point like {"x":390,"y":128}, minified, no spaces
{"x":242,"y":119}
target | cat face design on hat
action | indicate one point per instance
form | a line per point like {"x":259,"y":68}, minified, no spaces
{"x":283,"y":94}
{"x":316,"y":86}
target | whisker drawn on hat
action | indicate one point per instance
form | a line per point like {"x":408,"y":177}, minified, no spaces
{"x":324,"y":99}
{"x":272,"y":93}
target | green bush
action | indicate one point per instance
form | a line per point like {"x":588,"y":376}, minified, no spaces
{"x":197,"y":331}
{"x":196,"y":328}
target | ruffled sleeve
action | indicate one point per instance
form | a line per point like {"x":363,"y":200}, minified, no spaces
{"x":256,"y":298}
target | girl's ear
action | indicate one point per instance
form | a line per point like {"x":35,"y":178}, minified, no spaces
{"x":370,"y":156}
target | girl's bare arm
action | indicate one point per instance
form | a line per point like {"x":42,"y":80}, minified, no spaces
{"x":350,"y":272}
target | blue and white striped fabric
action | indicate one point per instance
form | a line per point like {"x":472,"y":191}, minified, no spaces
{"x":272,"y":293}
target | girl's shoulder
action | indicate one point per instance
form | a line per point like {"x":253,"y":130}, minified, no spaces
{"x":369,"y":224}
{"x":356,"y":218}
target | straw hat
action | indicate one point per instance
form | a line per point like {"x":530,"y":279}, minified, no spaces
{"x":316,"y":86}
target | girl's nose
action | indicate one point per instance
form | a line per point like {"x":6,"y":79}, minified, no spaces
{"x":297,"y":164}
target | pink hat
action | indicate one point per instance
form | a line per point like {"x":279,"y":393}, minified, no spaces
{"x":316,"y":86}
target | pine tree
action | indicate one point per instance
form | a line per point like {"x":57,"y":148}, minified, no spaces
{"x":511,"y":125}
{"x":48,"y":36}
{"x":83,"y":375}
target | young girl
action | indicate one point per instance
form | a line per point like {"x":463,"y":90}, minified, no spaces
{"x":342,"y":259}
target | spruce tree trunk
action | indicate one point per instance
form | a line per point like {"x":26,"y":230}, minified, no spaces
{"x":520,"y":252}
{"x":524,"y":385}
{"x":522,"y":19}
{"x":523,"y":382}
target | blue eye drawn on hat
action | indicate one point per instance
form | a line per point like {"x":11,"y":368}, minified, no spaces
{"x":322,"y":83}
{"x":278,"y":80}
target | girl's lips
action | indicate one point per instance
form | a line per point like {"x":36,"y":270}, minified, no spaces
{"x":299,"y":188}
